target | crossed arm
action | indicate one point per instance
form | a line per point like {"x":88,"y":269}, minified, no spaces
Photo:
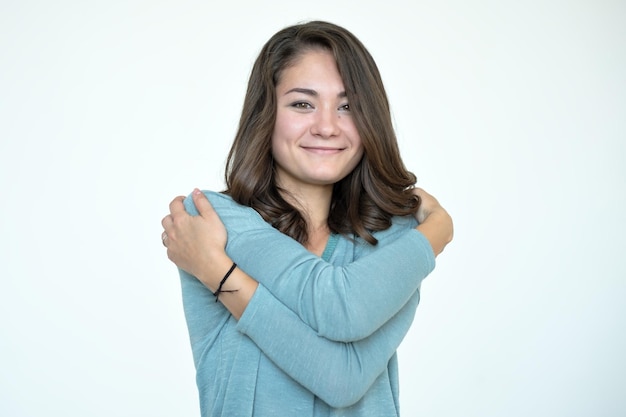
{"x":288,"y":310}
{"x":200,"y":245}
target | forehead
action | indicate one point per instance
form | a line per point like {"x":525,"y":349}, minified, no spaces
{"x":316,"y":65}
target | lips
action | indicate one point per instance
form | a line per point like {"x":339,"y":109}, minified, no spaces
{"x":322,"y":149}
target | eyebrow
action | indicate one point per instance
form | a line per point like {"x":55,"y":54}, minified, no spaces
{"x":311,"y":92}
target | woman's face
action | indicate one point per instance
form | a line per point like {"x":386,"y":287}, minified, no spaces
{"x":315,"y":141}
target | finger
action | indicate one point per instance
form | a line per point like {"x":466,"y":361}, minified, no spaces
{"x":164,"y":239}
{"x":419,"y":192}
{"x":202,"y":203}
{"x":177,"y":206}
{"x":167,"y":221}
{"x":424,"y":196}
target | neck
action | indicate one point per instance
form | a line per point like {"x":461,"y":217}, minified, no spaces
{"x":314,"y":204}
{"x":313,"y":201}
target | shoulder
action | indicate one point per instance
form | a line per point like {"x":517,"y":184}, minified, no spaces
{"x":219,"y":201}
{"x":235,"y":216}
{"x":399,"y":225}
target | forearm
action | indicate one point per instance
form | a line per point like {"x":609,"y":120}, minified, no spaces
{"x":237,"y":289}
{"x":336,"y":301}
{"x":339,"y":373}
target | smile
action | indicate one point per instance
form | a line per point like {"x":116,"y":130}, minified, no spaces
{"x":322,"y":150}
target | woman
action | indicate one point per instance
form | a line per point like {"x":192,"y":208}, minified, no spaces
{"x":313,"y":329}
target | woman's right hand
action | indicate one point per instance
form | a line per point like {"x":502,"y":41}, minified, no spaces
{"x":196,"y":243}
{"x":434,"y":221}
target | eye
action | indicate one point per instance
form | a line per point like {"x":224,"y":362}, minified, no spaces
{"x":345,"y":107}
{"x":302,"y":105}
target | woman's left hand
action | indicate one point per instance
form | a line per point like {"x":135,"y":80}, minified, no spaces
{"x":434,"y":221}
{"x":194,"y":243}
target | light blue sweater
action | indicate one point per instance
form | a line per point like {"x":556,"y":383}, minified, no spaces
{"x":319,"y":336}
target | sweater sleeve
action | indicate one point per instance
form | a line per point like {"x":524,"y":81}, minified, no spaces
{"x":205,"y":318}
{"x":339,"y":373}
{"x":334,"y":300}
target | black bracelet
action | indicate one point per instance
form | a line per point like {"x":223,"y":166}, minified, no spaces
{"x":219,"y":289}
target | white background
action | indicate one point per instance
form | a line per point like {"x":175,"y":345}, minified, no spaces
{"x":512,"y":113}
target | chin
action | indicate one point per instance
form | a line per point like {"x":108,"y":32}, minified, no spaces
{"x":327,"y":180}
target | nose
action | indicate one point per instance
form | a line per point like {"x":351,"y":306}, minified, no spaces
{"x":326,"y":123}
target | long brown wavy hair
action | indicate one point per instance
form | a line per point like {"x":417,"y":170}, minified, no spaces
{"x":367,"y":198}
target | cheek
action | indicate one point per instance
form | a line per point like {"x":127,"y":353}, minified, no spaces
{"x":358,"y":145}
{"x":360,"y":152}
{"x":355,"y":159}
{"x":287,"y":126}
{"x":353,"y":133}
{"x":278,"y":137}
{"x":280,"y":147}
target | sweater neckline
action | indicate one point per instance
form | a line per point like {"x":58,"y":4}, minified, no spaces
{"x":330,"y":246}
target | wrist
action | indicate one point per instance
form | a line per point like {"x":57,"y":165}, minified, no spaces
{"x":213,"y":270}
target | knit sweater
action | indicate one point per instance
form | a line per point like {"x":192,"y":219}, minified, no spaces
{"x":319,"y":336}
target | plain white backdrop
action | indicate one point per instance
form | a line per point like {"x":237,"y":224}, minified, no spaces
{"x":512,"y":113}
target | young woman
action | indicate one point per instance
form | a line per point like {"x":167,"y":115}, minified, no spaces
{"x":312,"y":325}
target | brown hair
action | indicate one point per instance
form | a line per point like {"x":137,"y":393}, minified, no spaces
{"x":366,"y":199}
